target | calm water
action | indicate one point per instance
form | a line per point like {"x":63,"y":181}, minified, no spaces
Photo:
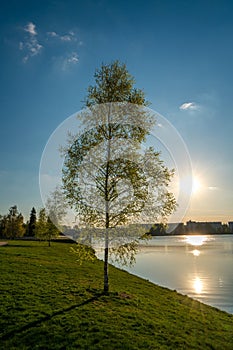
{"x":199,"y":266}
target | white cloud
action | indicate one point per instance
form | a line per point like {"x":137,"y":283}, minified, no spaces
{"x":189,"y":106}
{"x":73,"y":58}
{"x":52,"y":34}
{"x":212,"y":188}
{"x":31,"y":28}
{"x":70,"y":60}
{"x":65,"y":38}
{"x":30,"y":46}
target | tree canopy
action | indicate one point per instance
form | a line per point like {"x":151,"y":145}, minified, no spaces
{"x":45,"y":229}
{"x":113,"y":83}
{"x":12,"y":225}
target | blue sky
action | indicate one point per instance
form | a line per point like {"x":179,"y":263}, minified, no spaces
{"x":180,"y":53}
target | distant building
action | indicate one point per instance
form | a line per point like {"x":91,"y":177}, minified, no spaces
{"x":204,"y":227}
{"x":230,"y":224}
{"x":217,"y":226}
{"x":191,"y":226}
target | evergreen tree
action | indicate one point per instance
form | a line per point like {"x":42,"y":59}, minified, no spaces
{"x":32,"y":223}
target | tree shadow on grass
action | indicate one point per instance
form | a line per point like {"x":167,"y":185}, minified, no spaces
{"x":15,"y":245}
{"x":35,"y":323}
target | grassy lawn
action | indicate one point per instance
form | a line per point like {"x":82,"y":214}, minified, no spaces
{"x":48,"y":301}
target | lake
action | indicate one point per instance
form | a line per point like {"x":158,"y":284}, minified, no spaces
{"x":199,"y":266}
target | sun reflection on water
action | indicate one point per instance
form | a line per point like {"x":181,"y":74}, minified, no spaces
{"x":196,"y":252}
{"x":196,"y":240}
{"x":198,"y":285}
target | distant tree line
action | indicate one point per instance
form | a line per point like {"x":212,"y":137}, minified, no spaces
{"x":12,"y":225}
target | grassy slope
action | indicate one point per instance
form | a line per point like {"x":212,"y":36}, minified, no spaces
{"x":48,"y":301}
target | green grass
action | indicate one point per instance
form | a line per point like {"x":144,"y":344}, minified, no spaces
{"x":48,"y":301}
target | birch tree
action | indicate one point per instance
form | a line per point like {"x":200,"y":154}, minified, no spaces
{"x":109,"y":179}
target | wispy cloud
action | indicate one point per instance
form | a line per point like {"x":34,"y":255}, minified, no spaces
{"x":67,"y":41}
{"x":70,"y":60}
{"x":30,"y":45}
{"x":52,"y":34}
{"x":30,"y":28}
{"x":68,"y":37}
{"x":31,"y":48}
{"x":213,"y":188}
{"x":191,"y":106}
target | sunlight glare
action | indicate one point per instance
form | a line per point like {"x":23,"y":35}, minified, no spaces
{"x":198,"y":285}
{"x":196,"y":252}
{"x":196,"y":185}
{"x":195,"y":240}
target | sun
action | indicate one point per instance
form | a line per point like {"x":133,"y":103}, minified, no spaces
{"x":196,"y":185}
{"x":191,"y":184}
